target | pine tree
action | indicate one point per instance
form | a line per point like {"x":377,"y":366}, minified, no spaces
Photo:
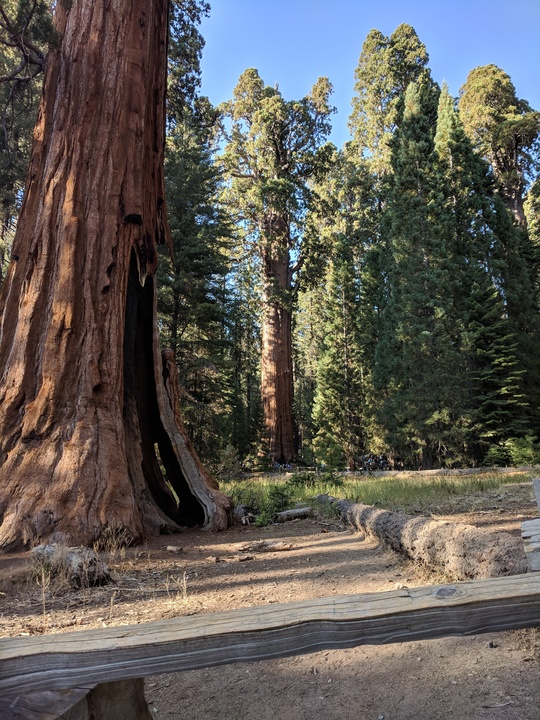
{"x":386,"y":67}
{"x":338,"y":407}
{"x":493,"y":400}
{"x":417,"y":361}
{"x":506,"y":132}
{"x":192,"y":288}
{"x":243,"y":391}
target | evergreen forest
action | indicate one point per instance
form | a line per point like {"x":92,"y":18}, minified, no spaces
{"x":330,"y":305}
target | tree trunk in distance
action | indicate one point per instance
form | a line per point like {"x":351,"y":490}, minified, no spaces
{"x":85,"y":420}
{"x":276,"y":364}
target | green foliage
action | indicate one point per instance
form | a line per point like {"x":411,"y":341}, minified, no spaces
{"x":408,"y":494}
{"x":265,"y":500}
{"x":184,"y":55}
{"x":312,"y":480}
{"x":333,"y":385}
{"x":192,"y":280}
{"x":494,"y":403}
{"x":386,"y":67}
{"x":274,"y":148}
{"x":514,"y":451}
{"x":228,"y":465}
{"x":505,"y":130}
{"x":417,"y":364}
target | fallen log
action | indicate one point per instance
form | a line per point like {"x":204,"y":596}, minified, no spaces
{"x":294,"y":514}
{"x":461,"y":551}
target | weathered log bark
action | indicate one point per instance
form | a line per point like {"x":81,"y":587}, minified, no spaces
{"x":295,"y":514}
{"x":84,"y":415}
{"x":461,"y":551}
{"x":276,"y":364}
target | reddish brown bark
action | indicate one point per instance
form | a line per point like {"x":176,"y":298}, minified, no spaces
{"x":84,"y":416}
{"x":276,"y":364}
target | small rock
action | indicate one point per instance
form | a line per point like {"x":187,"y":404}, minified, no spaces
{"x":80,"y":566}
{"x":492,"y":644}
{"x":174,"y":549}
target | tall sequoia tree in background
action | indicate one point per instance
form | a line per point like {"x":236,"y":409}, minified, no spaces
{"x":274,"y":147}
{"x":87,"y":404}
{"x":504,"y":129}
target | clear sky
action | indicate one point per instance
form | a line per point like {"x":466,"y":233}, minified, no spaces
{"x":293,"y":42}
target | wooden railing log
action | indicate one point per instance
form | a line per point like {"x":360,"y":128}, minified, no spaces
{"x":46,"y":663}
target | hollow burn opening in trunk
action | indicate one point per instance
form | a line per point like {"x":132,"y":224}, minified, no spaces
{"x":160,"y":465}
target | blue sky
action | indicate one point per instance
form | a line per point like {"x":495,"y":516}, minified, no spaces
{"x":293,"y":42}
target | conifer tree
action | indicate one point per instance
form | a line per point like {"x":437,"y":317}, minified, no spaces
{"x":493,"y":402}
{"x":338,"y":408}
{"x":308,"y":331}
{"x":505,"y":130}
{"x":192,"y":287}
{"x":274,"y":148}
{"x":417,"y":362}
{"x":192,"y":290}
{"x":243,"y":391}
{"x":386,"y":67}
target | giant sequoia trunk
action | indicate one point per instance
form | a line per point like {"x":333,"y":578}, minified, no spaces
{"x":90,"y":436}
{"x":276,"y":365}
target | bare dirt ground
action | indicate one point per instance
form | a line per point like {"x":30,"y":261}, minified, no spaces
{"x":488,"y":676}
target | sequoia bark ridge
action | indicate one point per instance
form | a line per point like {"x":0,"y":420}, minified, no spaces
{"x":88,"y":444}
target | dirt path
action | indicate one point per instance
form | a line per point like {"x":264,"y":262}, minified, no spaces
{"x":488,"y":676}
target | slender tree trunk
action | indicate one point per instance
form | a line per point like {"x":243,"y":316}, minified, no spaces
{"x":85,"y":417}
{"x":276,"y":365}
